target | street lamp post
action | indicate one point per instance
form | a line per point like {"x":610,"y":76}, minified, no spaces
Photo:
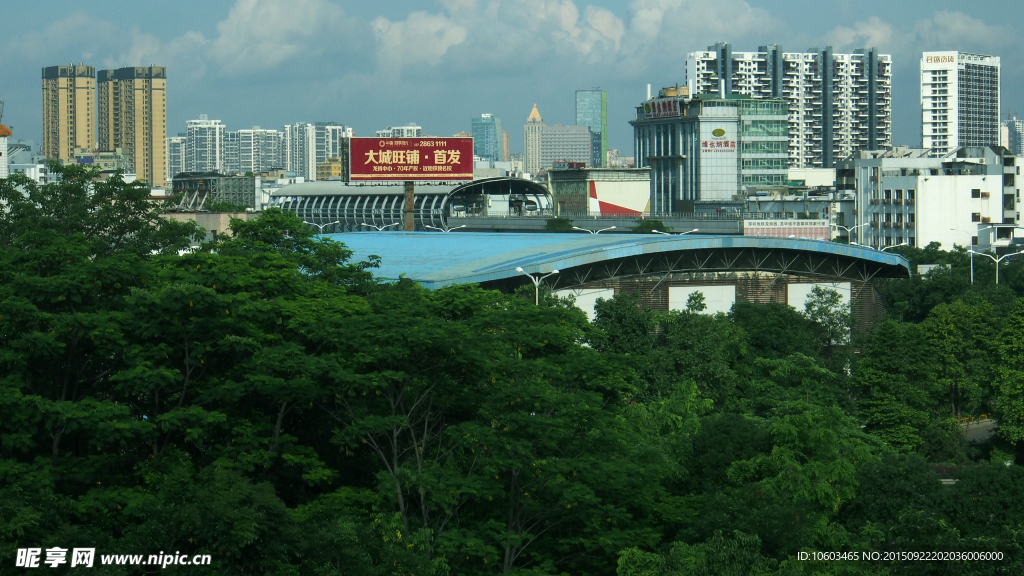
{"x":445,"y":229}
{"x":849,"y":231}
{"x":536,"y":282}
{"x":594,"y":231}
{"x":322,"y":226}
{"x":996,"y":260}
{"x":972,"y":251}
{"x":894,"y":246}
{"x":380,"y":228}
{"x":677,"y":234}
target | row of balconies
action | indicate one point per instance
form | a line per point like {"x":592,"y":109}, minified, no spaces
{"x":892,"y":225}
{"x":892,"y":202}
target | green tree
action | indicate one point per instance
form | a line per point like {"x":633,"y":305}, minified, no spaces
{"x":1009,"y":384}
{"x":695,"y":302}
{"x":558,"y":225}
{"x":825,"y":307}
{"x":648,"y":226}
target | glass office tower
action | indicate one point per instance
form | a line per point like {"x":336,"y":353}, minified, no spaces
{"x":592,"y":112}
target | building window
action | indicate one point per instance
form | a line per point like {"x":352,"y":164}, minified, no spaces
{"x":976,"y":217}
{"x":974,"y":240}
{"x":976,"y":193}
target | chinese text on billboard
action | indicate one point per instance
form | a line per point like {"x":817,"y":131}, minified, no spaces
{"x":411,"y":158}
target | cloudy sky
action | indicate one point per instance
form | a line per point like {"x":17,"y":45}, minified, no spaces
{"x":440,"y":62}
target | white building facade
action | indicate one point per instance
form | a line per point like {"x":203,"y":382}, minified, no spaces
{"x":855,"y":87}
{"x":409,"y":131}
{"x":204,"y":145}
{"x":331,"y":140}
{"x":175,"y":157}
{"x":967,"y":197}
{"x":959,"y":100}
{"x":533,"y":131}
{"x":298,"y":150}
{"x":259,"y":150}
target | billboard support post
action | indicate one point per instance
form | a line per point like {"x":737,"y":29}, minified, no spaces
{"x":410,"y":204}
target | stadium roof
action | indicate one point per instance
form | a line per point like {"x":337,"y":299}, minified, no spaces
{"x":435,"y":259}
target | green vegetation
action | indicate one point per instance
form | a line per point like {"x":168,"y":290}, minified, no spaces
{"x":558,"y":225}
{"x":648,"y":225}
{"x":264,"y":400}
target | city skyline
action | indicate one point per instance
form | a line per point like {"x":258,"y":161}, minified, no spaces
{"x":263,"y":61}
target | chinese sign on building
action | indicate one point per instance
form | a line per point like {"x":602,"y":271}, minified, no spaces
{"x":411,"y":159}
{"x":664,"y":108}
{"x":718,"y":142}
{"x":804,"y":229}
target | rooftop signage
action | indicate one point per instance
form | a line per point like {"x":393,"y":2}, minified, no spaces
{"x":663,"y":108}
{"x":409,"y":159}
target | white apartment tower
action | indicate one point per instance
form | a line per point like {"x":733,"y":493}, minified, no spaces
{"x":204,"y":145}
{"x":855,"y":89}
{"x":331,"y":139}
{"x":959,"y":100}
{"x":175,"y":157}
{"x":259,"y":150}
{"x":299,"y":150}
{"x":409,"y":131}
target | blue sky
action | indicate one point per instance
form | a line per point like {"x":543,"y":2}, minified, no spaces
{"x":441,"y":62}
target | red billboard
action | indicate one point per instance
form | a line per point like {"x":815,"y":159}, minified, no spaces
{"x":411,"y":159}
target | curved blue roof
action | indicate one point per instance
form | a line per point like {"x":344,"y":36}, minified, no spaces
{"x":436,"y":259}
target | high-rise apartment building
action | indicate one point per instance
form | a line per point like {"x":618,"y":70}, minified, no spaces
{"x":204,"y":145}
{"x":331,"y":140}
{"x":231,"y":164}
{"x":487,"y":140}
{"x":1013,"y":129}
{"x":533,"y":131}
{"x":854,"y":89}
{"x":133,"y":116}
{"x":259,"y":150}
{"x":507,"y":156}
{"x":409,"y":131}
{"x":592,"y":112}
{"x":298,"y":150}
{"x":959,"y":100}
{"x":175,"y":156}
{"x":69,"y":110}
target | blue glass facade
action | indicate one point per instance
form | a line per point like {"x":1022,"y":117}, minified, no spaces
{"x":592,"y":112}
{"x":487,"y":140}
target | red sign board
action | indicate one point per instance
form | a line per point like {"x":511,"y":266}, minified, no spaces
{"x":411,"y":159}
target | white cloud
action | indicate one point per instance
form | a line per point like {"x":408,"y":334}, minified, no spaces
{"x":957,"y":31}
{"x":871,"y":33}
{"x":262,"y":34}
{"x":421,"y":38}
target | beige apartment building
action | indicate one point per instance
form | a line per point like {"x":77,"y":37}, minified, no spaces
{"x":132,"y":115}
{"x":69,"y":107}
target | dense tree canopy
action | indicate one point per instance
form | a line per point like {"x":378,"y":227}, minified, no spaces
{"x":264,"y":400}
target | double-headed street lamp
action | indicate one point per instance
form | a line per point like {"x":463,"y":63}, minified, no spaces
{"x":894,"y":246}
{"x":322,"y":226}
{"x":536,"y":282}
{"x":996,"y":260}
{"x":849,"y":231}
{"x":972,"y":251}
{"x":675,"y":234}
{"x":594,"y":231}
{"x":445,"y":229}
{"x":379,"y":228}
